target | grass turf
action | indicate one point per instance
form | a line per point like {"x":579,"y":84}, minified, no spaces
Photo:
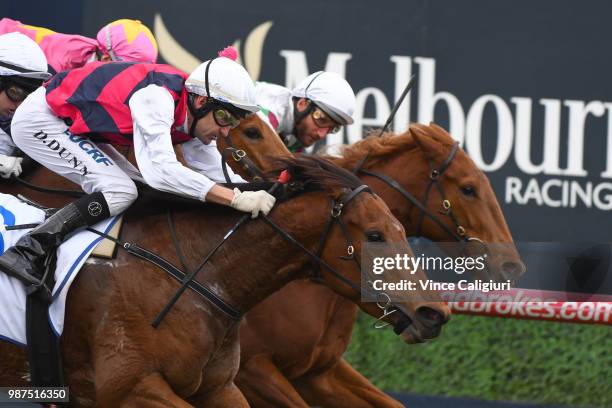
{"x":494,"y":359}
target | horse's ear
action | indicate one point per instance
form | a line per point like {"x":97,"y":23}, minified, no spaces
{"x":440,"y":134}
{"x":422,"y":136}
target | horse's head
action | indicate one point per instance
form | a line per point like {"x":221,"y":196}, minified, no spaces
{"x":459,"y":201}
{"x":353,"y":216}
{"x":466,"y":201}
{"x":255,"y":137}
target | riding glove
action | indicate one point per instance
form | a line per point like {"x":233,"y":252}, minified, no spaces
{"x":253,"y":202}
{"x":10,"y":165}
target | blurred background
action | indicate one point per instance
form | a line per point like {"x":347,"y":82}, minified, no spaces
{"x":524,"y":85}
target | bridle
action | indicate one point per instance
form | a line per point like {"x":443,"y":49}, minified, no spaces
{"x":337,"y":208}
{"x":335,"y":217}
{"x":459,"y":232}
{"x":242,"y":159}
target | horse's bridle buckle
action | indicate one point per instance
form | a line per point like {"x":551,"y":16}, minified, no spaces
{"x":337,"y":210}
{"x":238,"y":155}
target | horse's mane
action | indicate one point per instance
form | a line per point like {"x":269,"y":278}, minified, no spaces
{"x":380,"y":147}
{"x":315,"y":173}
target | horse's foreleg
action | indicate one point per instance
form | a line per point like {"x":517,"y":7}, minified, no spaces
{"x":228,"y":396}
{"x":265,"y":386}
{"x":343,"y":386}
{"x":150,"y":392}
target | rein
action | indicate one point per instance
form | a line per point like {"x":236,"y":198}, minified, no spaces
{"x":336,"y":212}
{"x":173,"y":271}
{"x":335,"y":218}
{"x":48,"y":190}
{"x":459,"y":234}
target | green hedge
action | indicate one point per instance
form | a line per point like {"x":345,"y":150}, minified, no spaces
{"x":492,"y":358}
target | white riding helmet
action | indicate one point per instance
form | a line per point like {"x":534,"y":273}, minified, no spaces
{"x":330,"y":92}
{"x":20,"y":56}
{"x":226,"y":81}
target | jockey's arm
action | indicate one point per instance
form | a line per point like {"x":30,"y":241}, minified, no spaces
{"x":152,"y":110}
{"x":206,"y":159}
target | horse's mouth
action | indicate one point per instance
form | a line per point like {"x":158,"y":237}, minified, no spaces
{"x":421,"y":329}
{"x":413,"y":335}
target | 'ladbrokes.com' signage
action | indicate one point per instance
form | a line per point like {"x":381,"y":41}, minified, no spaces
{"x":523,"y":86}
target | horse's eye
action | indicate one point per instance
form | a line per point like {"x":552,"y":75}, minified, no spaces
{"x":374,"y":236}
{"x":468,"y":191}
{"x":252,"y":133}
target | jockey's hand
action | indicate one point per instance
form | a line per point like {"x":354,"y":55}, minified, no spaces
{"x":10,"y":165}
{"x":253,"y":202}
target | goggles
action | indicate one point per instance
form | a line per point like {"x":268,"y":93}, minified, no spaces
{"x":15,"y":92}
{"x":224,"y":118}
{"x":322,"y":120}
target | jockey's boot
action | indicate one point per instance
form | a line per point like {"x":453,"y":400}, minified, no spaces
{"x":25,"y":260}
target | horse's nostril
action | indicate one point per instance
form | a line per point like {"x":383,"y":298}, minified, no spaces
{"x":430,"y":317}
{"x":512,"y":270}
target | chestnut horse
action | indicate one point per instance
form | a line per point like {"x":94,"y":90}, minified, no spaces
{"x":264,"y":142}
{"x":294,"y":359}
{"x":114,"y":357}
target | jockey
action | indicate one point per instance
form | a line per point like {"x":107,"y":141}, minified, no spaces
{"x":147,"y":106}
{"x":320,"y":104}
{"x":23,"y":68}
{"x":121,"y":40}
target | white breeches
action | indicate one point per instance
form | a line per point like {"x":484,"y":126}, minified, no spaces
{"x":96,"y":168}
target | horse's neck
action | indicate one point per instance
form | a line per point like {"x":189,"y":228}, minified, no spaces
{"x":255,"y":261}
{"x":413,"y":178}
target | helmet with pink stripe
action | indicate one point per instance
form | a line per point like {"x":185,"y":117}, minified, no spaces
{"x":127,"y":40}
